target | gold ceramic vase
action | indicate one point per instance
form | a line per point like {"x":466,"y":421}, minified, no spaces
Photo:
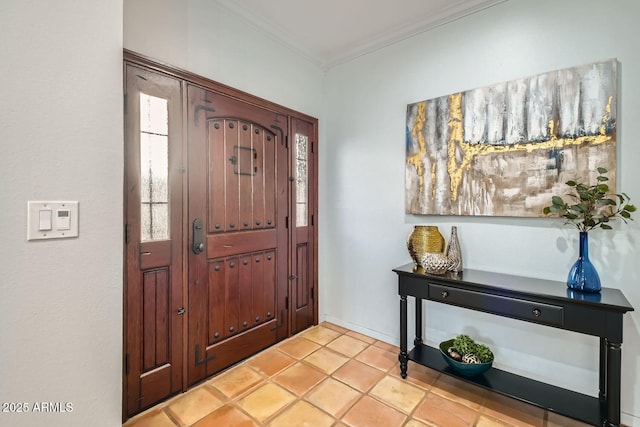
{"x":424,"y":239}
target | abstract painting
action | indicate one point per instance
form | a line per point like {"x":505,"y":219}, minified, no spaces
{"x":504,"y":149}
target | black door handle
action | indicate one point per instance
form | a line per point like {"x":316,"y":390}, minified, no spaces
{"x":198,"y":236}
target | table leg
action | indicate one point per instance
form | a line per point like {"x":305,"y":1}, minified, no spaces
{"x":614,"y":371}
{"x":602,"y":393}
{"x":418,"y":340}
{"x":403,"y":357}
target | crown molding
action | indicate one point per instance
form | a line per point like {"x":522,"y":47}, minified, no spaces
{"x":457,"y":10}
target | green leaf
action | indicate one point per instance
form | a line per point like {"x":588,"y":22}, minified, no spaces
{"x":593,"y":206}
{"x":583,"y":197}
{"x":606,"y":227}
{"x":581,"y":207}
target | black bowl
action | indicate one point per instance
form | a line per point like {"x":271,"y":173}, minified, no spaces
{"x":466,"y":369}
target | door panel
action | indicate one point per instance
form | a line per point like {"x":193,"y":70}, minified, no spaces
{"x":153,"y":257}
{"x":238,"y":283}
{"x":304,"y":194}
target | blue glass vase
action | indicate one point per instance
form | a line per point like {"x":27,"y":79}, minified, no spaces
{"x":583,"y":275}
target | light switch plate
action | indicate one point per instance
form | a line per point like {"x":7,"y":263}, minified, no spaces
{"x":61,"y":227}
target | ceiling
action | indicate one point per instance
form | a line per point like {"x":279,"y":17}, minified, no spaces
{"x":330,"y":32}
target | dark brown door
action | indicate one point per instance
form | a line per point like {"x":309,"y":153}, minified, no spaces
{"x":153,"y":296}
{"x":303,"y":232}
{"x":237,"y":218}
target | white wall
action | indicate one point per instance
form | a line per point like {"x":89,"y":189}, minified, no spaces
{"x":205,"y":38}
{"x":363,"y":225}
{"x":61,"y":139}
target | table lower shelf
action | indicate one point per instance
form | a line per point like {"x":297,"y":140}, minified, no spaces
{"x":555,"y":399}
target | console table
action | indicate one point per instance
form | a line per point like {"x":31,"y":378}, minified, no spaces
{"x":545,"y":302}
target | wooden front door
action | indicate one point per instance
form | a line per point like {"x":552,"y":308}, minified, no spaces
{"x":238,"y":230}
{"x":153,"y":296}
{"x":220,"y":228}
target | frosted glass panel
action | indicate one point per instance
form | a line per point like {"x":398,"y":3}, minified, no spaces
{"x":154,"y":168}
{"x":160,"y":224}
{"x":301,"y":213}
{"x":154,"y":115}
{"x":302,"y":180}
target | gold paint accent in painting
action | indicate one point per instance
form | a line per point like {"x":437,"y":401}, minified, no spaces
{"x":469,"y":151}
{"x":416,"y":158}
{"x":455,"y":139}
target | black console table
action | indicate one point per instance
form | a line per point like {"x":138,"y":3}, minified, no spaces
{"x":533,"y":300}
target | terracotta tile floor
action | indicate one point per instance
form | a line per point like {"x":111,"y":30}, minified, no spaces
{"x":330,"y":376}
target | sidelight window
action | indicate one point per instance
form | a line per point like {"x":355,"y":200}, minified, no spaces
{"x":302,"y":180}
{"x":154,"y":168}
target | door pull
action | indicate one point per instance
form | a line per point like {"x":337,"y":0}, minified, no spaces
{"x":198,"y":244}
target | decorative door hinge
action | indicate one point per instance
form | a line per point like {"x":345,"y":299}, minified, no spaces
{"x":281,"y":320}
{"x":127,"y":366}
{"x":127,"y":229}
{"x":204,"y":360}
{"x":286,"y":303}
{"x":197,"y":111}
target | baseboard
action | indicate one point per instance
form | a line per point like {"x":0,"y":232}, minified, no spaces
{"x":389,"y":339}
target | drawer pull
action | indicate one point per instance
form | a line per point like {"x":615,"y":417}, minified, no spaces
{"x":444,"y":294}
{"x":537,"y":312}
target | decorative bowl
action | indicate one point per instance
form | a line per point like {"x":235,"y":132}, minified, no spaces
{"x":435,"y":262}
{"x":466,"y":369}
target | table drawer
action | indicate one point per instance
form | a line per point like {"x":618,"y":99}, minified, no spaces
{"x":497,"y":304}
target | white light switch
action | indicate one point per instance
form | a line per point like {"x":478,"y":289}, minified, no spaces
{"x":44,"y":217}
{"x":52,"y":220}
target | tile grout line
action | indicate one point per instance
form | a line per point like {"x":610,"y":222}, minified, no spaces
{"x":320,"y":337}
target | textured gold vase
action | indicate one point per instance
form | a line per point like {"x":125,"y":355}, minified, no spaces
{"x":424,"y":239}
